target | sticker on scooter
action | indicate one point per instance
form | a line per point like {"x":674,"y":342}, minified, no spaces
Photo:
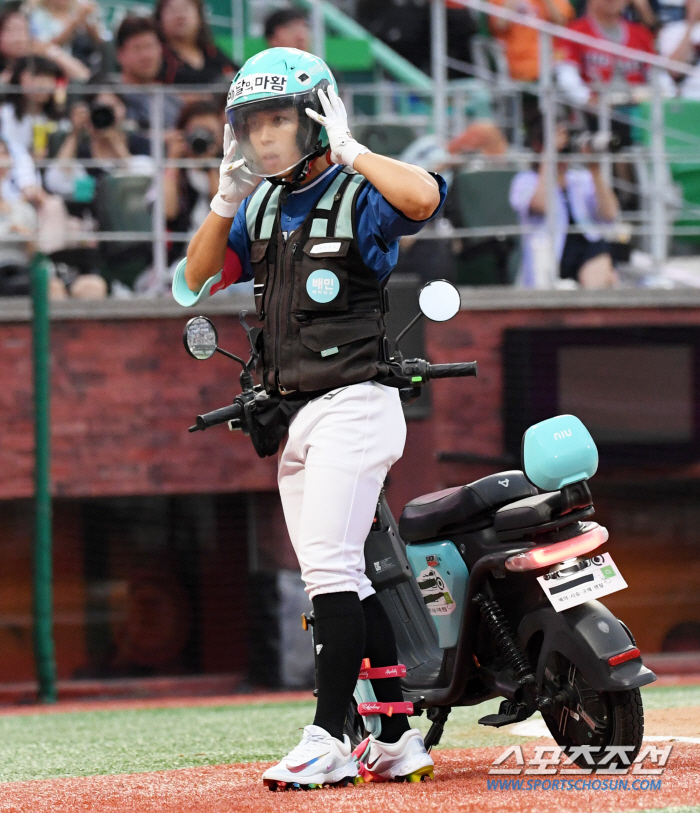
{"x":437,"y":598}
{"x":586,"y":580}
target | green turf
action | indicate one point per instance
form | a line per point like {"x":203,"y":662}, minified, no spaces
{"x":111,"y":742}
{"x":686,"y":809}
{"x":669,"y":697}
{"x":107,"y":742}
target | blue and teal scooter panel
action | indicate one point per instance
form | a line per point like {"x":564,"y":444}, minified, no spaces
{"x":442,"y":580}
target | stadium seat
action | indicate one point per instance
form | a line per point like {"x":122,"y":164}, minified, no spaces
{"x":121,"y":205}
{"x":681,"y":118}
{"x":385,"y":139}
{"x":479,"y":199}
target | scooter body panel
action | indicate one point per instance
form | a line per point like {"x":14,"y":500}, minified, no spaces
{"x":442,"y":577}
{"x":587,"y":635}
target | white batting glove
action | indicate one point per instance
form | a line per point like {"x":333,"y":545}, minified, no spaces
{"x":236,"y":181}
{"x":344,"y":148}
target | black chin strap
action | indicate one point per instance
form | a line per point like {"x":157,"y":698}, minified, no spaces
{"x":301,"y":171}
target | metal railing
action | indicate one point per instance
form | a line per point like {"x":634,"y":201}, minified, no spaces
{"x":659,"y":230}
{"x":442,"y":108}
{"x":157,"y":234}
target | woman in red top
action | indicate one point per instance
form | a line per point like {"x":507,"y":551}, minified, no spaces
{"x":581,"y":65}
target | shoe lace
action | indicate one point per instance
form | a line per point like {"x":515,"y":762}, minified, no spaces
{"x":306,"y":747}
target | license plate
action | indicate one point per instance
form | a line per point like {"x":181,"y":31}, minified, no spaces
{"x":586,"y":580}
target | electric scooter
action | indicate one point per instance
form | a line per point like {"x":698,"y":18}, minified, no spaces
{"x":493,"y":587}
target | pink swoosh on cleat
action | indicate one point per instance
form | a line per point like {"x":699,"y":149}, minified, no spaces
{"x":300,"y":768}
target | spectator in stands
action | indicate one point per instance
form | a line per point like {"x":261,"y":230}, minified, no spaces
{"x":16,"y":42}
{"x":72,"y":25}
{"x":680,"y":40}
{"x":582,"y":65}
{"x":583,"y":199}
{"x":97,"y":132}
{"x":288,"y":28}
{"x":17,"y":217}
{"x":522,"y":43}
{"x":27,"y":118}
{"x":481,"y":137}
{"x":188,"y":192}
{"x":191,"y":56}
{"x":140,"y":56}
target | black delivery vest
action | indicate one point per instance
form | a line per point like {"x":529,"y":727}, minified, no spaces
{"x":322,"y":309}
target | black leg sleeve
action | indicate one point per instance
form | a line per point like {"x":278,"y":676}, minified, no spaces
{"x":339,"y":638}
{"x":380,"y":648}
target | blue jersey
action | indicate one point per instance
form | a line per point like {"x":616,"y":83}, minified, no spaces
{"x":378,"y":224}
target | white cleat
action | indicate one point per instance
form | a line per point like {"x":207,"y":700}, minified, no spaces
{"x":402,"y":761}
{"x":318,"y":760}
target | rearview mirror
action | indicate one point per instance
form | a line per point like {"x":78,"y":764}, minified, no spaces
{"x":200,"y":338}
{"x":439,"y":300}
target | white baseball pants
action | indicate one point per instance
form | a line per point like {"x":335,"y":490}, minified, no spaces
{"x":338,"y":452}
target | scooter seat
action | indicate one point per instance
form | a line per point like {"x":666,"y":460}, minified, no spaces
{"x":527,"y":513}
{"x":432,"y":514}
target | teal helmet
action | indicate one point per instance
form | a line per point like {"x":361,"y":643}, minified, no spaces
{"x":279,"y":79}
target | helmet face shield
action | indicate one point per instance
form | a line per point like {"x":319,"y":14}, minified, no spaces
{"x":275,"y":134}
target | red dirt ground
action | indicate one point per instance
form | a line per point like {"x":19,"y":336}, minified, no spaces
{"x":460,"y":785}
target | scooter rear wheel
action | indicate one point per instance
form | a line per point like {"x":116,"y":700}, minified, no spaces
{"x":581,"y":715}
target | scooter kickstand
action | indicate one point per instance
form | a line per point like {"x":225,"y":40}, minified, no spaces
{"x":438,"y":717}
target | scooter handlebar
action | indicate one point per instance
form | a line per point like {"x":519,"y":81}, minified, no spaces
{"x":223,"y":415}
{"x":459,"y":370}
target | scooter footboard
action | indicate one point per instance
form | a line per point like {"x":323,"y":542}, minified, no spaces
{"x":588,"y":635}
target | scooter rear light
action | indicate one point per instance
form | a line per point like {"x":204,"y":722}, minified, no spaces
{"x":559,"y":552}
{"x":631,"y":654}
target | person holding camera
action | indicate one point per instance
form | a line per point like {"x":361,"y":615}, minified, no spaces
{"x":97,"y":133}
{"x":189,"y":191}
{"x":583,"y":200}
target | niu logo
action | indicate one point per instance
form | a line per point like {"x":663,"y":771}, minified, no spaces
{"x":504,"y":483}
{"x":565,"y":433}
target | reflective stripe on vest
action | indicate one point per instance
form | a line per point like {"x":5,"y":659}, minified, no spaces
{"x":253,"y":210}
{"x":343,"y":225}
{"x":319,"y":226}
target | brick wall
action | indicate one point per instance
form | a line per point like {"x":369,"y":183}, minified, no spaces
{"x":124,"y":392}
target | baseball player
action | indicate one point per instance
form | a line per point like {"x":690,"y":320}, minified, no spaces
{"x":314,"y":218}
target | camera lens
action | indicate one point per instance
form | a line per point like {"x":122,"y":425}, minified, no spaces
{"x":200,"y":140}
{"x":102,"y":116}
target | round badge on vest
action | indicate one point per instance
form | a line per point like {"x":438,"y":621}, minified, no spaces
{"x":322,"y":285}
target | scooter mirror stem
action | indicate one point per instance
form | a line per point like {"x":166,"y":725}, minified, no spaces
{"x":230,"y":356}
{"x":411,"y":324}
{"x":241,"y":318}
